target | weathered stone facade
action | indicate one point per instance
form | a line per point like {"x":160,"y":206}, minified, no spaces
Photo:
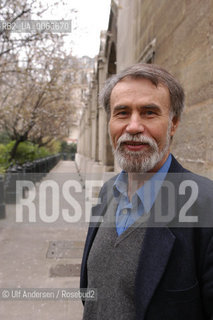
{"x":80,"y":91}
{"x":94,"y":149}
{"x":178,"y":36}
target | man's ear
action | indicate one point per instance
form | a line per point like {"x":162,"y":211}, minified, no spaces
{"x":175,"y":123}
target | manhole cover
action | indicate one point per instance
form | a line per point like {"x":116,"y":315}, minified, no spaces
{"x":65,"y":249}
{"x":65,"y":270}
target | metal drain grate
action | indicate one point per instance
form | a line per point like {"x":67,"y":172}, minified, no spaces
{"x":65,"y":249}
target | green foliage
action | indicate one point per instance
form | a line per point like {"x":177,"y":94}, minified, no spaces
{"x":5,"y":151}
{"x":26,"y":152}
{"x":54,"y":147}
{"x":73,"y":147}
{"x":4,"y":157}
{"x":68,"y":148}
{"x":42,"y":153}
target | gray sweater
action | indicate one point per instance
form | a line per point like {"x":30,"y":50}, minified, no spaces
{"x":112,"y":266}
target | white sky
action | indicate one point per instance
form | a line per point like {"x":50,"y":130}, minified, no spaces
{"x":92,"y":16}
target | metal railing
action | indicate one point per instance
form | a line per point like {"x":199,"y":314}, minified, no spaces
{"x":33,"y":171}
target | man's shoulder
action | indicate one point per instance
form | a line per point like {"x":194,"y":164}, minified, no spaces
{"x":194,"y":194}
{"x":177,"y":168}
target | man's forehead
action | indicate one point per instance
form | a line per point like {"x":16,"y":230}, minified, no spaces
{"x":132,"y":80}
{"x":140,"y":85}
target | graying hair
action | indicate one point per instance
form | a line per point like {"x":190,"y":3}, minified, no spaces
{"x":156,"y":75}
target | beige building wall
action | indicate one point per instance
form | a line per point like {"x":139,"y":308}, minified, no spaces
{"x":94,"y":149}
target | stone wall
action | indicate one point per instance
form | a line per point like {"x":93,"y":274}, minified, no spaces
{"x":94,"y":149}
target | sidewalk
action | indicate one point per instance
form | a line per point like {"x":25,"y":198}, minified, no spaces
{"x":43,"y":254}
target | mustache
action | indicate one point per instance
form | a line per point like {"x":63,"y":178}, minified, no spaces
{"x":136,"y":138}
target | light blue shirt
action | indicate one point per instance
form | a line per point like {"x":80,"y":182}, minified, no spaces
{"x":128,"y":212}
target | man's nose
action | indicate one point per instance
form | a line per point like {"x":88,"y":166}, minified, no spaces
{"x":135,"y":125}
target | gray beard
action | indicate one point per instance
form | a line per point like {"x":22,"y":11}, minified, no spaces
{"x":141,"y":161}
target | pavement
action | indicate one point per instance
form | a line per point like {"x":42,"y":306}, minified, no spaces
{"x":41,"y":249}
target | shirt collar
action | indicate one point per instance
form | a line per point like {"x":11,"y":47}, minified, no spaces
{"x":120,"y":185}
{"x":149,"y":191}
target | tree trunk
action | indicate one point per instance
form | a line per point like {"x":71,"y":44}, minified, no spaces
{"x":14,"y":149}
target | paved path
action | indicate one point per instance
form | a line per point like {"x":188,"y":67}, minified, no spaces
{"x":45,"y":252}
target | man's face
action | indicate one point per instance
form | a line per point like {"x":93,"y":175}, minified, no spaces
{"x":140,"y":125}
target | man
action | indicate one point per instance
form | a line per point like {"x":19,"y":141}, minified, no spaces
{"x":151,"y":256}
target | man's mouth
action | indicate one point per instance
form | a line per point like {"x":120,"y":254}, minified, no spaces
{"x":135,"y":145}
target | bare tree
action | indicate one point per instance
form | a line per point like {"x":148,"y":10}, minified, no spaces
{"x":41,"y":102}
{"x":37,"y":78}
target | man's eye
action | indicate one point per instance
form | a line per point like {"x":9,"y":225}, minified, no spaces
{"x":122,"y":113}
{"x":149,"y":113}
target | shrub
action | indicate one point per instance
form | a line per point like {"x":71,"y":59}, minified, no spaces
{"x":4,"y":158}
{"x":26,"y":152}
{"x":54,"y":146}
{"x":68,"y":148}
